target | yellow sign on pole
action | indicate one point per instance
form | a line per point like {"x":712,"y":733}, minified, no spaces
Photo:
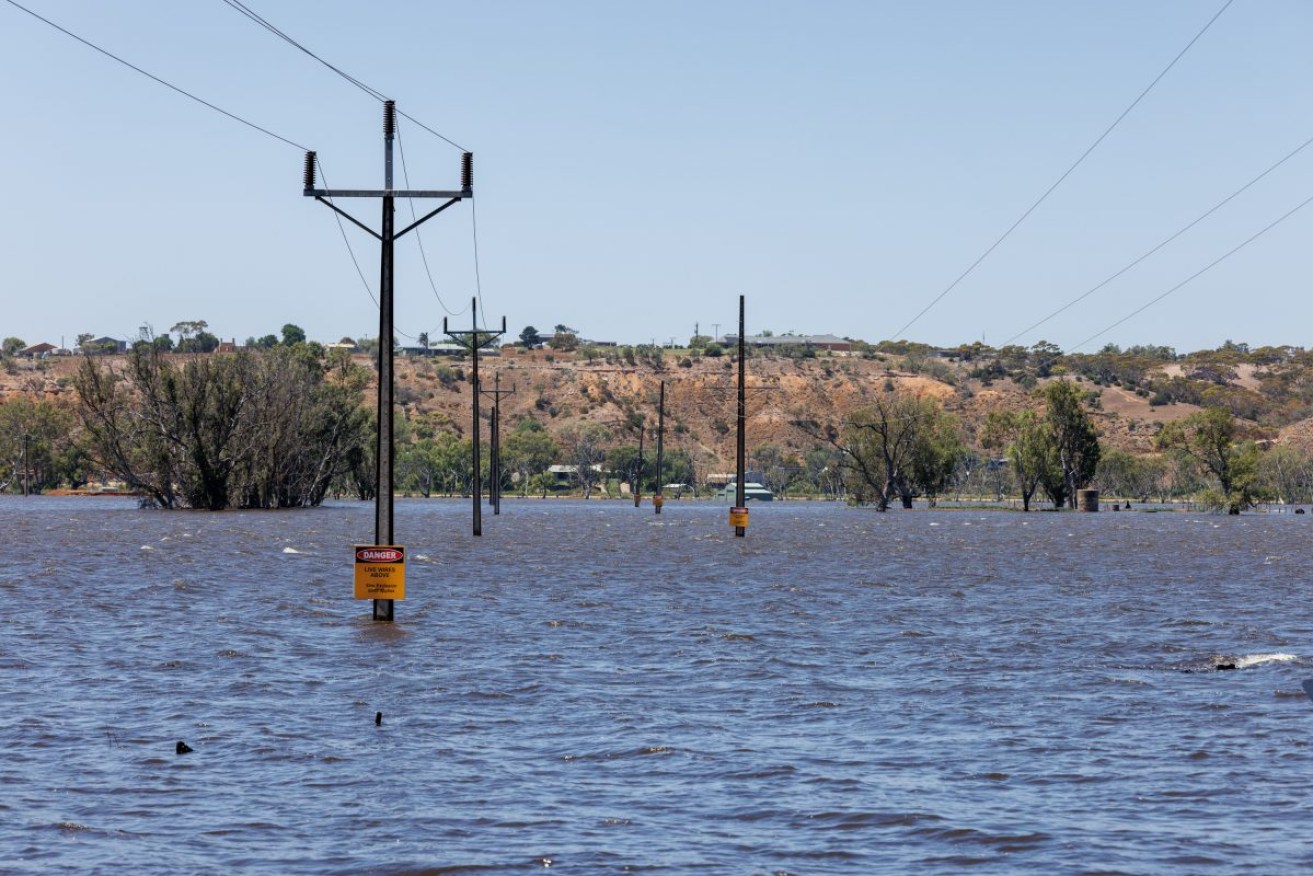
{"x":738,"y":516}
{"x":380,"y":571}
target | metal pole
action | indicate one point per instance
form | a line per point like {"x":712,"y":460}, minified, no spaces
{"x":27,"y":486}
{"x":478,"y":477}
{"x":383,"y":608}
{"x":661,"y":434}
{"x":740,"y":497}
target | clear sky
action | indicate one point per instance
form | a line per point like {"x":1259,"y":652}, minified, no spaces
{"x":640,"y":165}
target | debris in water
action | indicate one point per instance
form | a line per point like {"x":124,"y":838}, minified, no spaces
{"x":183,"y":748}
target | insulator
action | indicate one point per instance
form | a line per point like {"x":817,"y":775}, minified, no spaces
{"x":467,"y":170}
{"x":389,"y":118}
{"x":309,"y":170}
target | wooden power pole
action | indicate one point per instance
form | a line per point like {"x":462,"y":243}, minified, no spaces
{"x":387,"y":237}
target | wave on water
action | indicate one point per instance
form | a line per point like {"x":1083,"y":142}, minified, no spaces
{"x":1257,"y":659}
{"x":290,"y":550}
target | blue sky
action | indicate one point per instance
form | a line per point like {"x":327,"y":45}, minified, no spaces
{"x":638,"y":166}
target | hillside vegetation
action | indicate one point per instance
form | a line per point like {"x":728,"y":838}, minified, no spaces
{"x":1130,"y":397}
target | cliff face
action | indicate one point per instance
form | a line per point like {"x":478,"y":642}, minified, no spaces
{"x":701,"y":399}
{"x":558,"y":389}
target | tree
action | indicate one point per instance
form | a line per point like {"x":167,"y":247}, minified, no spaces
{"x":1128,"y":475}
{"x":935,"y":457}
{"x":529,"y":451}
{"x":1074,"y":439}
{"x":1286,"y":473}
{"x":11,"y":345}
{"x":34,"y":437}
{"x":1211,"y":439}
{"x":624,"y":462}
{"x":1028,"y":445}
{"x":779,"y":468}
{"x":187,"y":328}
{"x":584,"y":446}
{"x":564,"y":342}
{"x":881,"y":444}
{"x":82,"y":340}
{"x":249,"y":429}
{"x":292,"y":335}
{"x":530,"y":339}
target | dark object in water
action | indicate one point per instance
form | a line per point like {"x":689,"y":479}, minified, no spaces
{"x":1222,"y":666}
{"x":183,"y":748}
{"x":378,"y":719}
{"x":1299,"y":510}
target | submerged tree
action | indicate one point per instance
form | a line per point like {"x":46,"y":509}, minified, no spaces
{"x":1028,"y":445}
{"x":37,"y":451}
{"x":896,"y":447}
{"x":1074,"y":441}
{"x":1213,"y":442}
{"x":247,"y":429}
{"x":584,"y":445}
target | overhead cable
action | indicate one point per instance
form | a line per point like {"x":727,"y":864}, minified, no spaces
{"x":418,"y":239}
{"x":1067,"y":173}
{"x":1199,"y":272}
{"x":152,"y":76}
{"x":254,"y":16}
{"x":1183,"y":230}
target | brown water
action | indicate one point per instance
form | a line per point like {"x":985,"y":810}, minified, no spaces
{"x":595,"y":689}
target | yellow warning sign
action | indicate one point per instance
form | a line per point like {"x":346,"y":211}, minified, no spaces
{"x":380,"y":571}
{"x":738,"y":516}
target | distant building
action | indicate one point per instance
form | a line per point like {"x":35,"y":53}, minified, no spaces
{"x":105,"y":345}
{"x":38,"y":351}
{"x":818,"y":342}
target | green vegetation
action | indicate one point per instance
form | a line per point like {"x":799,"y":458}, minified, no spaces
{"x":246,"y":430}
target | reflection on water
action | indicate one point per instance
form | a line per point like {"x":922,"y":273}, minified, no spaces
{"x":595,"y":688}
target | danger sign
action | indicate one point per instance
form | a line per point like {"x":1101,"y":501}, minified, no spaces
{"x":380,"y":571}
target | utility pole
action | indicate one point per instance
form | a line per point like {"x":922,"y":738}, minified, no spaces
{"x":478,"y":339}
{"x":27,"y":470}
{"x":638,"y":479}
{"x":384,"y":461}
{"x":657,"y":499}
{"x":494,"y":469}
{"x":740,"y":521}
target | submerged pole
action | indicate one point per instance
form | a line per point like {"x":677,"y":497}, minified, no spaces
{"x":740,"y":470}
{"x":657,"y":499}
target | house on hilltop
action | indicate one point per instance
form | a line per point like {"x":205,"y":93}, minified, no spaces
{"x":817,"y":342}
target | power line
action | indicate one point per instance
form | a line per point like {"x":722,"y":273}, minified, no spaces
{"x":351,"y":252}
{"x":152,"y":76}
{"x":418,"y":239}
{"x":346,"y":239}
{"x":1146,"y":255}
{"x":1199,"y":272}
{"x":1069,"y":171}
{"x":478,"y":280}
{"x":372,"y":92}
{"x":263,"y":22}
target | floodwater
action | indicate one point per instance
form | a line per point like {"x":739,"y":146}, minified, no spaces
{"x":591,"y":688}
